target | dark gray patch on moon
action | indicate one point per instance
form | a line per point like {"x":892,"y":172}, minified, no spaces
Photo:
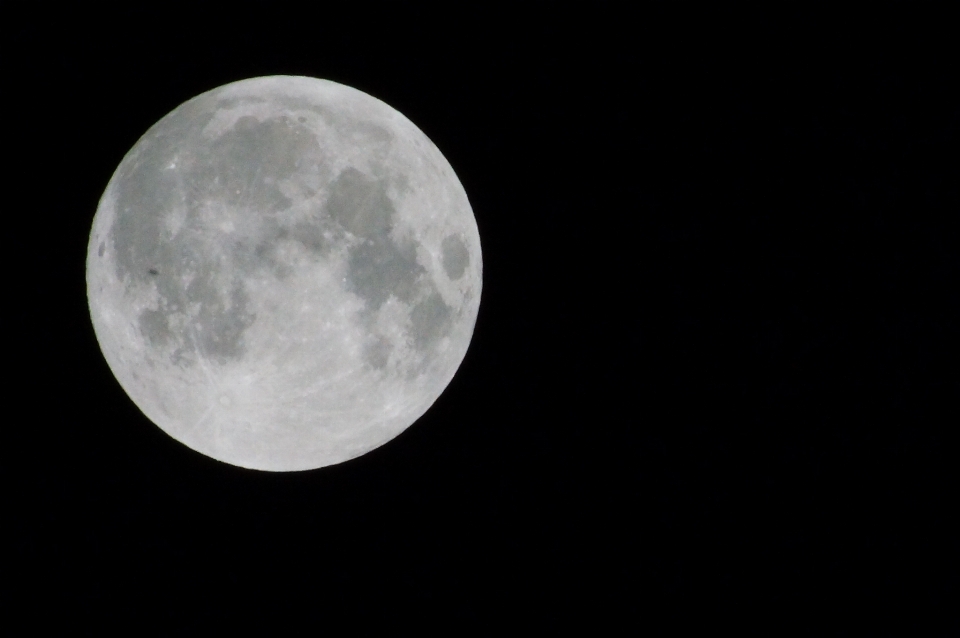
{"x":100,"y":250}
{"x":361,"y":205}
{"x":454,"y":256}
{"x":342,"y":123}
{"x":377,"y":353}
{"x":242,"y":167}
{"x":221,"y":321}
{"x":377,"y":266}
{"x":169,"y":236}
{"x":261,"y":255}
{"x":176,"y":172}
{"x":153,"y":325}
{"x":380,"y":267}
{"x":430,"y":320}
{"x":310,"y":236}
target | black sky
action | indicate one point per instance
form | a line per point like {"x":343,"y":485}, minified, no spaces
{"x":713,"y":376}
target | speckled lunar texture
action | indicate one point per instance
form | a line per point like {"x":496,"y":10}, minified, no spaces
{"x":284,"y":273}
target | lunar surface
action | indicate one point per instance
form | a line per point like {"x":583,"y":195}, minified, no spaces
{"x":284,"y":273}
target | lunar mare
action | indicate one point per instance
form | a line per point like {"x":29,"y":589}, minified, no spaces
{"x":284,"y":273}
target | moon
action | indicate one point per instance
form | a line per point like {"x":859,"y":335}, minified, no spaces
{"x":284,"y":273}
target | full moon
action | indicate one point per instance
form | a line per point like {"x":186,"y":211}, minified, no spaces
{"x":284,"y":273}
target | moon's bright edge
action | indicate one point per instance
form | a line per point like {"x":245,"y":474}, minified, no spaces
{"x":284,"y":273}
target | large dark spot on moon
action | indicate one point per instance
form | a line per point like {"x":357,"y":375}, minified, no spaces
{"x":379,"y":269}
{"x":361,"y":205}
{"x":378,"y":266}
{"x":377,"y":353}
{"x":454,"y":256}
{"x":153,"y":325}
{"x":196,"y":217}
{"x":217,"y":331}
{"x":164,"y":195}
{"x":430,"y":320}
{"x":243,"y":166}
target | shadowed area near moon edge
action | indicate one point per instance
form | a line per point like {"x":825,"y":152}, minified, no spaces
{"x":200,"y":281}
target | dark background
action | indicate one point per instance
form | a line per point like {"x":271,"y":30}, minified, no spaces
{"x":713,"y":380}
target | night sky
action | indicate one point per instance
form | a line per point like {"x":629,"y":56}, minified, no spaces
{"x":714,"y":375}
